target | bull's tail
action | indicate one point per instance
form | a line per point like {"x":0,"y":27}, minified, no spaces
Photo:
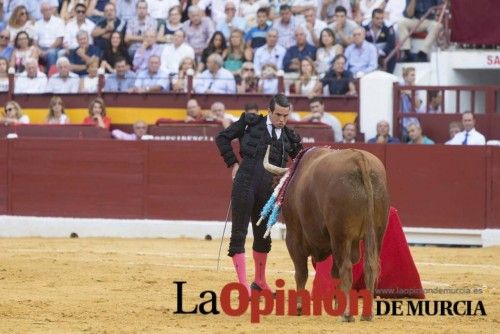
{"x":371,"y":265}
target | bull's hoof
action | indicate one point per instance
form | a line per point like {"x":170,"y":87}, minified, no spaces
{"x":347,"y":318}
{"x":367,"y":317}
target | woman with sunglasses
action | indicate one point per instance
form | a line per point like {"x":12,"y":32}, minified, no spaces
{"x":20,"y":21}
{"x":56,"y":112}
{"x":13,"y":114}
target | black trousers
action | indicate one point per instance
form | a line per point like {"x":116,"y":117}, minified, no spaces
{"x":252,"y":187}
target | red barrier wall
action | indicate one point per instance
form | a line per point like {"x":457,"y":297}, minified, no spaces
{"x":432,"y":186}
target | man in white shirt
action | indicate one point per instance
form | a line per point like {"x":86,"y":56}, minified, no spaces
{"x":140,"y":130}
{"x":31,"y":81}
{"x":80,"y":22}
{"x":318,"y":114}
{"x":64,"y":81}
{"x":174,"y":53}
{"x":313,"y":27}
{"x":158,"y":9}
{"x":270,"y":53}
{"x":469,"y":136}
{"x":215,"y":79}
{"x":49,"y":33}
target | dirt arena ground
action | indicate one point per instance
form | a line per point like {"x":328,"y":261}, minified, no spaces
{"x":125,"y":285}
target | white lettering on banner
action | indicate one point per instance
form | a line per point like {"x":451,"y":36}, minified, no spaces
{"x":308,"y":140}
{"x":492,"y":60}
{"x":184,"y":138}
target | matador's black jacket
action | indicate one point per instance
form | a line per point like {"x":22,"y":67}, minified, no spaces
{"x":252,"y":185}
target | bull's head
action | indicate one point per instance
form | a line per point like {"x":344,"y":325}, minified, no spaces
{"x":272,"y":168}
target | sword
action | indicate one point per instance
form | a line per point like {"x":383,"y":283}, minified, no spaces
{"x":223,"y":232}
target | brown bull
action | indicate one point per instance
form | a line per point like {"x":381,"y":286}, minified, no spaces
{"x":335,"y":199}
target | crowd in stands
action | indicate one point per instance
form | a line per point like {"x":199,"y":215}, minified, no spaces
{"x":231,"y":46}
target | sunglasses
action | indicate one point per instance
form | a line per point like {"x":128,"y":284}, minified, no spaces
{"x":248,"y":69}
{"x":10,"y":109}
{"x":4,"y":37}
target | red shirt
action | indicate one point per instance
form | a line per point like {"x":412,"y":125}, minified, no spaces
{"x":105,"y":119}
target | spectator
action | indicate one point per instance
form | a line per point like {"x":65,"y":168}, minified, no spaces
{"x":312,"y":26}
{"x":453,"y":128}
{"x":217,"y":44}
{"x":104,"y":29}
{"x":236,"y":53}
{"x":328,"y":9}
{"x":193,"y":111}
{"x":308,"y":78}
{"x":256,"y":36}
{"x":327,"y":51}
{"x":270,"y":53}
{"x":361,"y":56}
{"x":199,"y":29}
{"x":415,"y":134}
{"x":343,"y":27}
{"x":409,"y":77}
{"x":175,"y":52}
{"x":89,"y":83}
{"x":248,"y":82}
{"x":32,"y":8}
{"x":382,"y":37}
{"x":73,"y":27}
{"x":366,"y":8}
{"x":159,"y":9}
{"x":218,"y":112}
{"x":216,"y":8}
{"x":4,"y":78}
{"x":414,"y":11}
{"x":349,"y":133}
{"x":83,"y":55}
{"x":24,"y":49}
{"x":179,"y":81}
{"x":32,"y":80}
{"x":115,"y":49}
{"x":152,"y":79}
{"x":469,"y":136}
{"x":268,"y":83}
{"x":251,"y":108}
{"x":146,"y":50}
{"x":5,"y":49}
{"x":318,"y":114}
{"x":137,"y":26}
{"x":20,"y":21}
{"x":383,"y":136}
{"x":97,"y":114}
{"x":140,"y":130}
{"x":122,"y":79}
{"x":338,"y":79}
{"x":56,"y":113}
{"x":126,"y":9}
{"x":13,"y":114}
{"x":172,"y":25}
{"x":436,"y":100}
{"x":230,"y":21}
{"x":64,"y":81}
{"x":299,"y":7}
{"x":285,"y":26}
{"x":95,"y":11}
{"x":249,"y":10}
{"x":49,"y":32}
{"x":293,"y":56}
{"x":215,"y":79}
{"x":68,"y":9}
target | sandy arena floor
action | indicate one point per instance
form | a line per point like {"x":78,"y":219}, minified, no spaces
{"x":123,"y":285}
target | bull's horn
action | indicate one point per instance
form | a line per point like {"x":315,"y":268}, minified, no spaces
{"x":272,"y":168}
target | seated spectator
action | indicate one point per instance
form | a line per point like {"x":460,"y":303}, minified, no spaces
{"x":366,"y":8}
{"x":256,"y":36}
{"x":85,"y":54}
{"x":215,"y":79}
{"x":343,"y":27}
{"x":4,"y":77}
{"x":13,"y":114}
{"x":247,"y":82}
{"x":217,"y":44}
{"x":126,"y":9}
{"x":32,"y":80}
{"x":20,"y":21}
{"x":231,"y":20}
{"x":349,"y":133}
{"x":218,"y":113}
{"x":361,"y":56}
{"x":249,"y":10}
{"x":453,"y":129}
{"x":198,"y":30}
{"x":140,"y":130}
{"x":49,"y":31}
{"x":312,"y":26}
{"x":193,"y":111}
{"x":338,"y":79}
{"x":269,"y":53}
{"x":109,"y":24}
{"x":89,"y":83}
{"x":64,"y":81}
{"x":23,"y":49}
{"x":56,"y":113}
{"x":236,"y":53}
{"x":32,"y":8}
{"x":172,"y":25}
{"x":285,"y":25}
{"x":159,"y":9}
{"x":179,"y":80}
{"x":137,"y":26}
{"x":97,"y":114}
{"x":95,"y":12}
{"x":251,"y":108}
{"x":328,"y":9}
{"x":383,"y":136}
{"x":146,"y":50}
{"x":5,"y":49}
{"x":293,"y":56}
{"x":382,"y":37}
{"x":152,"y":79}
{"x":415,"y":134}
{"x":436,"y":100}
{"x":308,"y":79}
{"x":327,"y":51}
{"x":318,"y":114}
{"x":122,"y":80}
{"x":412,"y":14}
{"x":268,"y":83}
{"x":73,"y":27}
{"x":173,"y":53}
{"x":68,"y":8}
{"x":114,"y":50}
{"x":299,"y":7}
{"x":469,"y":136}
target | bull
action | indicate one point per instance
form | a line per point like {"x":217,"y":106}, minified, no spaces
{"x":335,"y":199}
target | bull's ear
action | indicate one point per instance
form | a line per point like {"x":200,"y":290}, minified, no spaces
{"x":272,"y":168}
